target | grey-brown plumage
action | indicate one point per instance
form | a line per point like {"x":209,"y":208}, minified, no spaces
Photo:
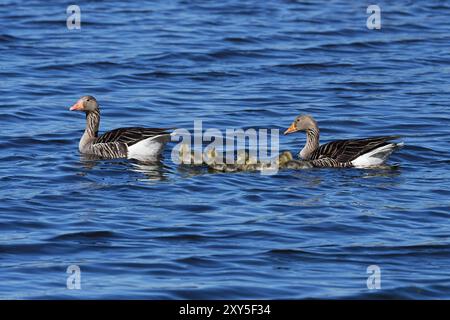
{"x":216,"y":161}
{"x":341,"y":153}
{"x":115,"y":143}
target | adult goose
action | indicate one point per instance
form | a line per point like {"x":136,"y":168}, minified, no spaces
{"x":365,"y":152}
{"x":143,"y":144}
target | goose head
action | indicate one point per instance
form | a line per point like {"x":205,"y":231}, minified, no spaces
{"x":86,"y":104}
{"x":302,"y":123}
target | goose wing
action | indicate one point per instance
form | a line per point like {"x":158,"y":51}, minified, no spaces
{"x":110,"y":150}
{"x":129,"y":136}
{"x":348,"y":150}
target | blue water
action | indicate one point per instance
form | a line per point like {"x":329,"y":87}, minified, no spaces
{"x":165,"y":231}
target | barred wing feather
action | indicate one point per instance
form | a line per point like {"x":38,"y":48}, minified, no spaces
{"x":129,"y":136}
{"x":110,"y":150}
{"x":347,"y":150}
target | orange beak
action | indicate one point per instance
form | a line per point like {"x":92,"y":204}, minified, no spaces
{"x":291,"y":129}
{"x":77,"y":106}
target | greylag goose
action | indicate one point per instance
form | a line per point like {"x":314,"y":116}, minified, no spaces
{"x":143,"y":144}
{"x":365,"y":152}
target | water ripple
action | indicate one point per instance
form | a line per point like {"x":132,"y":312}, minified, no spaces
{"x":164,"y":231}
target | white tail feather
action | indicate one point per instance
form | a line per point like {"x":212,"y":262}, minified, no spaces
{"x":377,"y":156}
{"x":148,"y":149}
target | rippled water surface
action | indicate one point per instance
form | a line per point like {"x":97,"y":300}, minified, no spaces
{"x":164,"y":231}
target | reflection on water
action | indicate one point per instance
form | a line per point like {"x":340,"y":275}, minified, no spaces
{"x":154,"y":171}
{"x":390,"y":171}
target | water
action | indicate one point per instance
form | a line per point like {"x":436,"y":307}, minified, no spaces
{"x":163,"y":231}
